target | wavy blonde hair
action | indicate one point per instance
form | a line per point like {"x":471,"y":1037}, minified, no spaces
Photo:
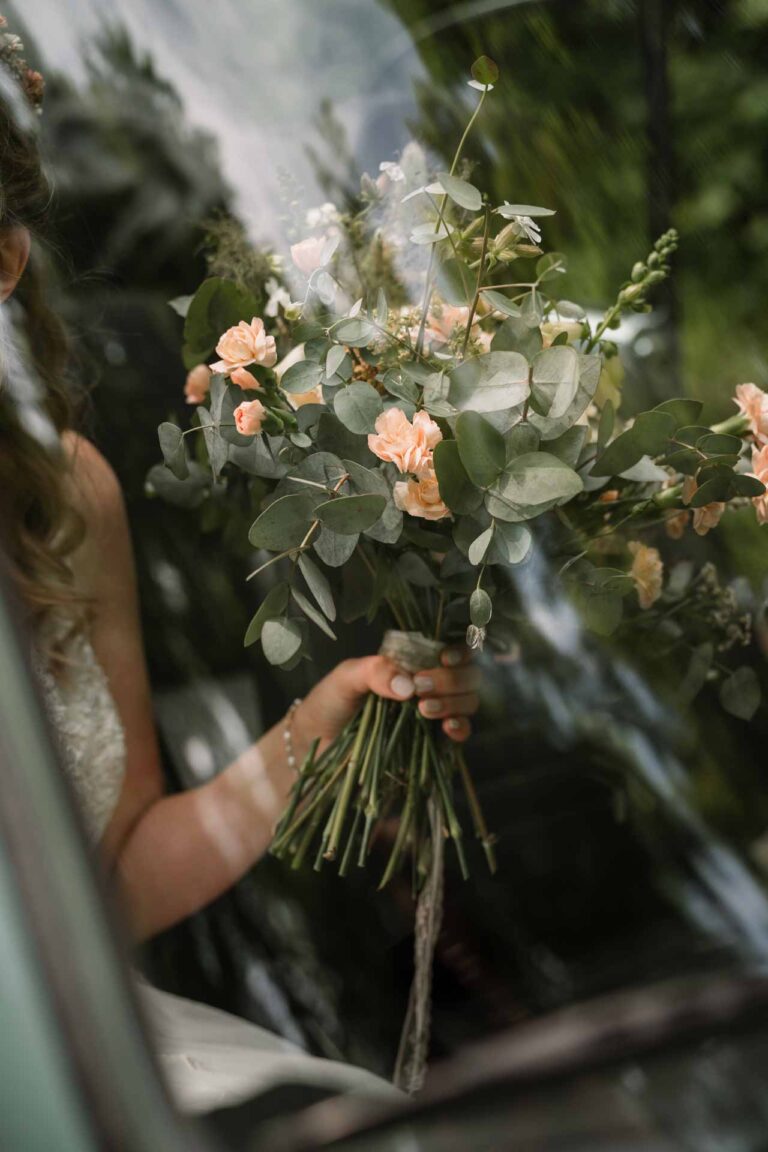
{"x":39,"y":527}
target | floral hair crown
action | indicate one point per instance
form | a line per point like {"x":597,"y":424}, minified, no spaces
{"x":11,"y":49}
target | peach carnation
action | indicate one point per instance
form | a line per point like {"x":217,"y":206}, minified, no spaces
{"x":752,"y":402}
{"x":249,"y":417}
{"x":198,"y":384}
{"x":421,"y":497}
{"x":243,"y":345}
{"x":760,"y":470}
{"x":407,"y":445}
{"x":647,"y":571}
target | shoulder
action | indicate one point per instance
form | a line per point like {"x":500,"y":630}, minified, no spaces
{"x":94,"y":489}
{"x":95,"y":494}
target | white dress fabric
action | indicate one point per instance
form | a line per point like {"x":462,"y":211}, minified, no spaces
{"x":211,"y":1059}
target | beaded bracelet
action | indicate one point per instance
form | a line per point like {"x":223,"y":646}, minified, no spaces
{"x":288,"y":735}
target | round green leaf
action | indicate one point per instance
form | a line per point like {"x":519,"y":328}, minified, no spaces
{"x":481,"y":448}
{"x":461,"y":192}
{"x":682,"y":410}
{"x":333,"y":548}
{"x":500,"y":303}
{"x":554,"y":381}
{"x":273,"y":604}
{"x":480,"y":608}
{"x":456,"y":488}
{"x":354,"y":331}
{"x":740,"y":694}
{"x":491,"y":383}
{"x":301,"y":377}
{"x":357,"y":406}
{"x":485,"y":71}
{"x":172,"y":446}
{"x":285,"y":523}
{"x":511,"y":543}
{"x":530,"y":481}
{"x":478,"y":549}
{"x":318,"y":585}
{"x":281,"y":639}
{"x":349,"y":515}
{"x":648,"y":436}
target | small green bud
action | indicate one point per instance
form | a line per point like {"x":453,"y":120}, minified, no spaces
{"x":631,"y":293}
{"x":654,"y":260}
{"x":638,"y":272}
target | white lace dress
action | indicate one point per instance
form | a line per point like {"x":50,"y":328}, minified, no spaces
{"x":211,"y":1058}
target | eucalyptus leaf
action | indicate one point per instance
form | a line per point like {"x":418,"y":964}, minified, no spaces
{"x":415,"y":570}
{"x":218,"y":449}
{"x":354,"y":331}
{"x":284,"y":523}
{"x":510,"y":211}
{"x":478,"y":549}
{"x":499,"y":302}
{"x":490,"y":383}
{"x":554,"y":381}
{"x":717,"y":444}
{"x":188,"y":493}
{"x":312,"y":613}
{"x":273,"y":605}
{"x":318,"y":585}
{"x":605,"y":427}
{"x":456,"y":488}
{"x":281,"y":639}
{"x":569,"y":446}
{"x":333,"y":436}
{"x":172,"y":446}
{"x":350,"y":515}
{"x":511,"y":543}
{"x":530,"y":482}
{"x":740,"y":694}
{"x":461,"y":192}
{"x":455,"y":282}
{"x":521,"y":439}
{"x":480,"y":608}
{"x":481,"y":448}
{"x":336,"y":356}
{"x":333,"y":548}
{"x":301,"y":377}
{"x":357,"y":406}
{"x":514,"y":335}
{"x":648,"y":436}
{"x":682,"y":410}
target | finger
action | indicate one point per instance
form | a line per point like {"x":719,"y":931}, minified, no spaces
{"x":455,"y":655}
{"x":457,"y":728}
{"x":447,"y":681}
{"x":435,"y":708}
{"x":374,"y":674}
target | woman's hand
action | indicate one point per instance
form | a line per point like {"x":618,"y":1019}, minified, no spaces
{"x":448,"y":693}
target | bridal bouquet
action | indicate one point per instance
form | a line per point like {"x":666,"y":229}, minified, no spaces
{"x":404,"y":414}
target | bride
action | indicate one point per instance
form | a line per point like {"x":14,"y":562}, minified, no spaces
{"x":65,"y":533}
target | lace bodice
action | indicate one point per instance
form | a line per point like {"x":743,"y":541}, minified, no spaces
{"x":90,"y":734}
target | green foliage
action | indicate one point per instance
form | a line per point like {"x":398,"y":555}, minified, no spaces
{"x":216,"y":306}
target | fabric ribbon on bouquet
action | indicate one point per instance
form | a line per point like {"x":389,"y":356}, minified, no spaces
{"x":414,"y":652}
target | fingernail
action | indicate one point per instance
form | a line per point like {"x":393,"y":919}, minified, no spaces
{"x":432,"y":706}
{"x":402,"y":686}
{"x":424,"y":683}
{"x":454,"y":724}
{"x":452,"y":657}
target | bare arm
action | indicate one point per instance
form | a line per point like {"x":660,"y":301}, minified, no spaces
{"x":174,"y":854}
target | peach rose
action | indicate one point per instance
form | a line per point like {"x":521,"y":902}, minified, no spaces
{"x":760,"y":470}
{"x":752,"y":402}
{"x":243,"y":345}
{"x":421,"y":497}
{"x":647,"y":571}
{"x":706,"y":517}
{"x":249,"y":416}
{"x":245,"y":379}
{"x":407,"y":445}
{"x":198,"y":384}
{"x":307,"y":255}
